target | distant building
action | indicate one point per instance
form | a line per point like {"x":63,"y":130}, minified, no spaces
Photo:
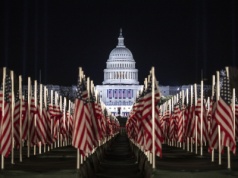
{"x":70,"y":92}
{"x":120,"y":86}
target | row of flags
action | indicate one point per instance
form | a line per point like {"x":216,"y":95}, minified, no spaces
{"x":31,"y":116}
{"x":38,"y":118}
{"x":93,"y":125}
{"x":139,"y":123}
{"x":188,"y":118}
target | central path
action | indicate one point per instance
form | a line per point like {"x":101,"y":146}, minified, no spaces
{"x":119,"y":161}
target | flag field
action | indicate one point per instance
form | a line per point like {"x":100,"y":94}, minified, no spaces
{"x":60,"y":162}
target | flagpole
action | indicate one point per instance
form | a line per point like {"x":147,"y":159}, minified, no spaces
{"x":179,"y":96}
{"x":183,"y":122}
{"x":187,"y":119}
{"x":78,"y":153}
{"x":170,"y":113}
{"x":213,"y":85}
{"x":35,"y":103}
{"x":40,"y":143}
{"x":54,"y":124}
{"x":175,"y":137}
{"x":68,"y":120}
{"x":191,"y":98}
{"x":196,"y":120}
{"x":3,"y":108}
{"x":51,"y":121}
{"x":228,"y":148}
{"x":88,"y":93}
{"x":219,"y":130}
{"x":20,"y":129}
{"x":45,"y":104}
{"x":201,"y":120}
{"x":28,"y":113}
{"x":146,"y":153}
{"x":57,"y":121}
{"x":233,"y":109}
{"x":172,"y":104}
{"x":64,"y":124}
{"x":12,"y":115}
{"x":208,"y":107}
{"x":153,"y":116}
{"x":60,"y":134}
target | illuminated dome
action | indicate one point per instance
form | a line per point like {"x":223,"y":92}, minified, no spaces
{"x":120,"y":65}
{"x":121,"y":52}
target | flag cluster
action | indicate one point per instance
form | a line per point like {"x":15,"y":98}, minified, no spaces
{"x":140,"y":122}
{"x":189,"y":118}
{"x":91,"y":123}
{"x":26,"y":118}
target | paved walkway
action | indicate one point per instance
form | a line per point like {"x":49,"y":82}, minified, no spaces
{"x":119,"y":161}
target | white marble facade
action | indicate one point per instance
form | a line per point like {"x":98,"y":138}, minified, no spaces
{"x":120,"y":86}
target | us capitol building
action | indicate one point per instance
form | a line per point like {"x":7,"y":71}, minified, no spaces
{"x":120,"y":86}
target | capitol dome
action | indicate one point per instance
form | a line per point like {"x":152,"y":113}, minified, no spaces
{"x":120,"y":65}
{"x":120,"y":53}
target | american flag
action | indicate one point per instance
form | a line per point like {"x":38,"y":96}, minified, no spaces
{"x":41,"y":118}
{"x":147,"y":120}
{"x":98,"y":115}
{"x":17,"y":117}
{"x":202,"y":119}
{"x":63,"y":126}
{"x":47,"y":120}
{"x":5,"y":118}
{"x":190,"y":118}
{"x":138,"y":116}
{"x":32,"y":126}
{"x":55,"y":114}
{"x":70,"y":126}
{"x":41,"y":126}
{"x":236,"y":121}
{"x":172,"y":127}
{"x":166,"y":123}
{"x":213,"y":131}
{"x":24,"y":117}
{"x":82,"y":130}
{"x":178,"y":122}
{"x":1,"y":99}
{"x":224,"y":116}
{"x":131,"y":124}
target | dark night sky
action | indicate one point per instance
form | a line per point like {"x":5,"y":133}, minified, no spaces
{"x":180,"y":38}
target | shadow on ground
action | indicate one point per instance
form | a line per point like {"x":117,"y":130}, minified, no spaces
{"x":119,"y":158}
